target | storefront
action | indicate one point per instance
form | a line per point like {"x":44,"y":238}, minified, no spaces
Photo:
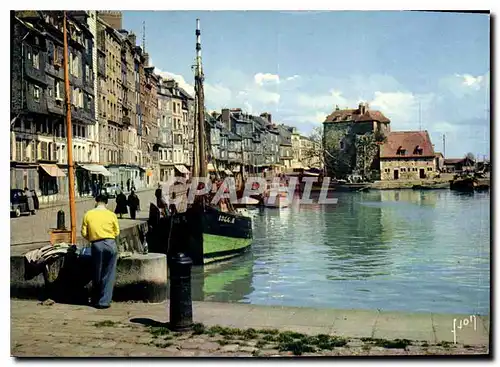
{"x":88,"y":175}
{"x":121,"y":174}
{"x":51,"y":179}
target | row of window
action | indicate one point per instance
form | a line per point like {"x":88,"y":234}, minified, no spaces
{"x":31,"y":151}
{"x":175,"y":155}
{"x":407,"y":169}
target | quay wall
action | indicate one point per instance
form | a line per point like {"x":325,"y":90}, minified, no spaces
{"x":139,"y":277}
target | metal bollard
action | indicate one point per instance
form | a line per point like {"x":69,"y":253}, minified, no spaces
{"x":181,"y":305}
{"x":61,"y":221}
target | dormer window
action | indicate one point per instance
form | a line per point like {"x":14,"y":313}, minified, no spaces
{"x":418,"y":150}
{"x":401,"y":151}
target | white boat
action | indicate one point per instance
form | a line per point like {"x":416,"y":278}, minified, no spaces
{"x":276,"y":196}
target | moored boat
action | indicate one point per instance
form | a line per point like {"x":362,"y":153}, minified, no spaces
{"x":204,"y":232}
{"x":276,"y":196}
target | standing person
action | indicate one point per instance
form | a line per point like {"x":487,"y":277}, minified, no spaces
{"x":128,"y":184}
{"x":121,"y":204}
{"x":132,"y":187}
{"x":121,"y":185}
{"x":31,"y":202}
{"x":158,"y":195}
{"x":100,"y":228}
{"x":133,"y":203}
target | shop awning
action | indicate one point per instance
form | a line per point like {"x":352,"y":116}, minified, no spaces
{"x":181,"y":168}
{"x":297,"y":166}
{"x":53,"y":170}
{"x":228,"y":172}
{"x":210,"y":167}
{"x":96,"y":169}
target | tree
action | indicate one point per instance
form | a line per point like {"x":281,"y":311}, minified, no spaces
{"x":366,"y":151}
{"x":470,"y":156}
{"x":327,"y":150}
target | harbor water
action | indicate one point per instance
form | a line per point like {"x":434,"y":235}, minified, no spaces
{"x":395,"y":250}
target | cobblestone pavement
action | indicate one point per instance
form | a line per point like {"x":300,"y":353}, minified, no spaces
{"x":34,"y":229}
{"x":129,"y":329}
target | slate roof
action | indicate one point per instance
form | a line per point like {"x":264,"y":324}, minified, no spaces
{"x":339,"y":116}
{"x":409,"y":141}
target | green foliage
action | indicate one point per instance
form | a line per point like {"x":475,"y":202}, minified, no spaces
{"x":105,"y":323}
{"x":198,"y":329}
{"x":158,"y":330}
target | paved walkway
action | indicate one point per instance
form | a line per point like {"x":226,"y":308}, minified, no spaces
{"x":68,"y":330}
{"x":31,"y":231}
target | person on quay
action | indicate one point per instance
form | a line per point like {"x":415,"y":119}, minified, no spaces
{"x":100,"y":227}
{"x":121,"y":204}
{"x":29,"y":198}
{"x":128,"y":184}
{"x":133,"y":204}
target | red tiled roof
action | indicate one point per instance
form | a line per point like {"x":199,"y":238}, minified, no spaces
{"x":409,"y":141}
{"x":356,"y":116}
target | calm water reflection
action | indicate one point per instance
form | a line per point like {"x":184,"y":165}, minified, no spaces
{"x":392,"y":250}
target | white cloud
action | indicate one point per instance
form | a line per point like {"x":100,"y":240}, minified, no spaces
{"x":266,"y":78}
{"x":471,"y":81}
{"x":322,"y":102}
{"x":178,"y":78}
{"x":461,"y":85}
{"x":405,"y":109}
{"x":293,"y":77}
{"x":218,"y":94}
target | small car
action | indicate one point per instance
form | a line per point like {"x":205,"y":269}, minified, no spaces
{"x":111,"y":189}
{"x":19,"y":202}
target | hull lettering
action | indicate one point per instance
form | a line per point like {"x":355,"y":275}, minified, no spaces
{"x":225,"y":219}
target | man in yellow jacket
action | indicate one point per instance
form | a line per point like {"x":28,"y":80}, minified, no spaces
{"x":100,"y":228}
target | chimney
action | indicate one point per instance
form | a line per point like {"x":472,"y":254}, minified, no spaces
{"x":132,"y":39}
{"x":337,"y":107}
{"x":226,"y":118}
{"x":362,"y":108}
{"x":266,"y":116}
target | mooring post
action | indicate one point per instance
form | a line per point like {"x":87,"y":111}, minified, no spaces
{"x":181,"y":305}
{"x":61,"y":221}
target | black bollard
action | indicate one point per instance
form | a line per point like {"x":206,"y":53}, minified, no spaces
{"x":61,"y":221}
{"x":181,"y":306}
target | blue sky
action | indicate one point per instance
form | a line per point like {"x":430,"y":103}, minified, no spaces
{"x":299,"y":65}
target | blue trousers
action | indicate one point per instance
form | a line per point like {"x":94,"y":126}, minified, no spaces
{"x":104,"y":258}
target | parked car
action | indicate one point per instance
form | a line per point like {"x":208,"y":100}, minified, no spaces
{"x":111,"y":189}
{"x":19,"y":202}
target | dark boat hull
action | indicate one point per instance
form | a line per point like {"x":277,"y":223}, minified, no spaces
{"x":206,"y":236}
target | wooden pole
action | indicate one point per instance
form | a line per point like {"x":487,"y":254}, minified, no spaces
{"x":69,"y":131}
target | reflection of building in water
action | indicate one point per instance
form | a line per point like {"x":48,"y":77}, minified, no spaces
{"x":354,"y":235}
{"x":420,"y":197}
{"x":229,"y":281}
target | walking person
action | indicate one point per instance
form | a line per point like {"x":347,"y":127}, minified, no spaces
{"x":121,"y":204}
{"x":31,"y":202}
{"x":100,"y":228}
{"x":133,"y":203}
{"x":128,"y":184}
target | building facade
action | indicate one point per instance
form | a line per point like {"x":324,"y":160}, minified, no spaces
{"x":407,"y":155}
{"x":346,"y":130}
{"x":38,"y":125}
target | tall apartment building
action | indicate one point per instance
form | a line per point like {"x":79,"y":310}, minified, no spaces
{"x":38,"y":125}
{"x":164,"y":143}
{"x":151,"y":129}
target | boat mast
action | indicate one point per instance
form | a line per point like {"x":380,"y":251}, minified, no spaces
{"x":202,"y":163}
{"x":69,"y":134}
